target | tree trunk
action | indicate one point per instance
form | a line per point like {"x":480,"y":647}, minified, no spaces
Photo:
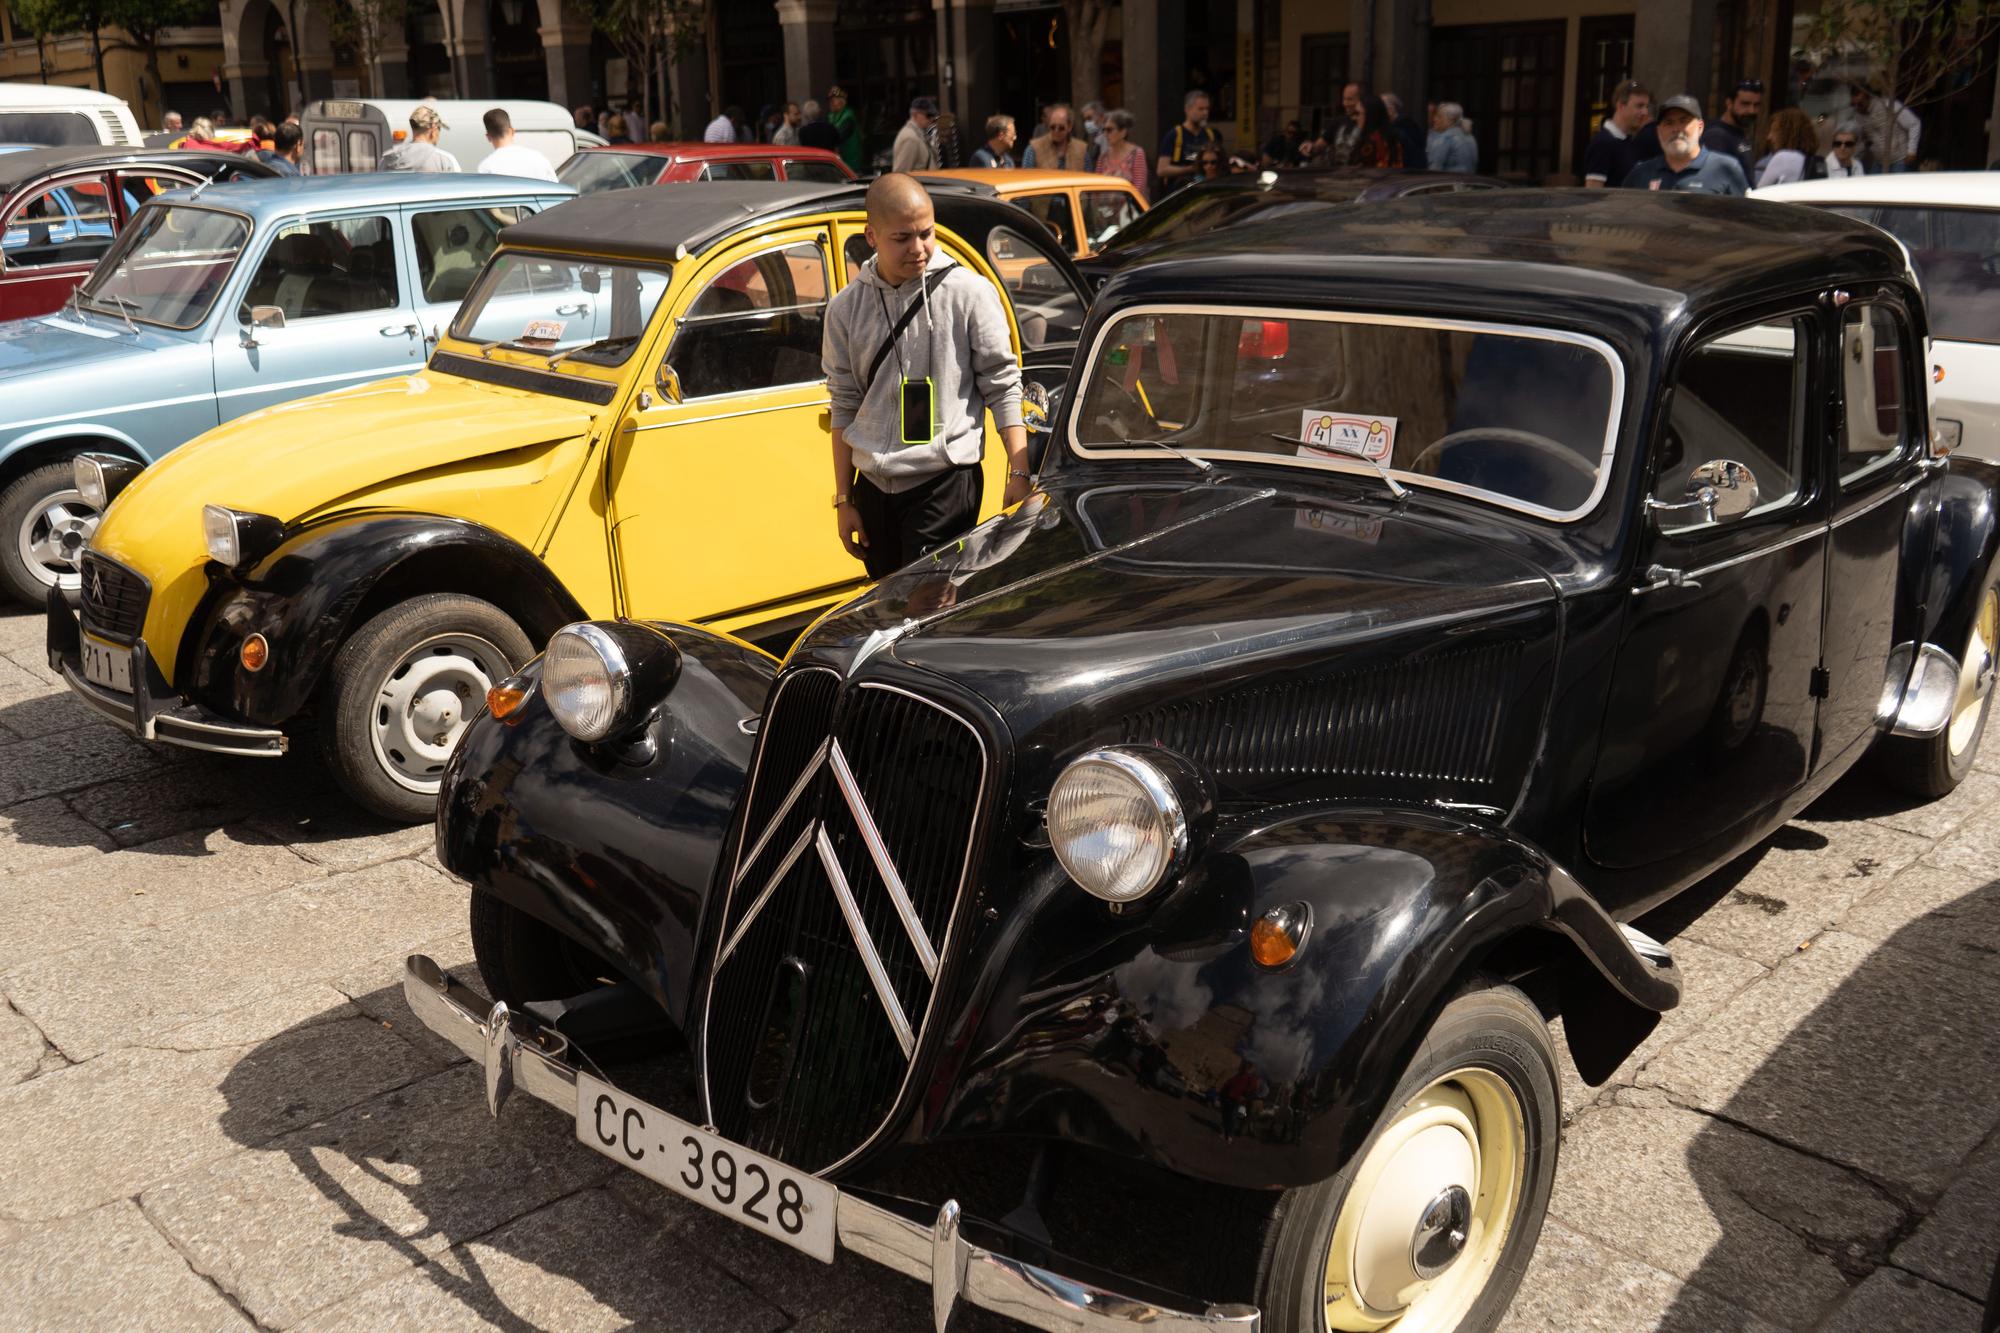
{"x":153,"y":72}
{"x":97,"y":55}
{"x":1088,"y":21}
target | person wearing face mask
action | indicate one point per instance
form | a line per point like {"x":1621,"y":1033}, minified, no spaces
{"x":1684,"y":164}
{"x":1057,"y":149}
{"x":917,"y":351}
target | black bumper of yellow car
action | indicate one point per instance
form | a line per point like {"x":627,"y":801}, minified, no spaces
{"x":147,"y":710}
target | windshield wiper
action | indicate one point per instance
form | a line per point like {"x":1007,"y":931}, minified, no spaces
{"x":121,"y":305}
{"x":602,"y":344}
{"x":1179,"y":453}
{"x":1396,"y":488}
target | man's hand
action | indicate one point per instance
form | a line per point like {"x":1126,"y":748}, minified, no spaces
{"x":1017,"y":490}
{"x":851,"y":534}
{"x":1014,"y":439}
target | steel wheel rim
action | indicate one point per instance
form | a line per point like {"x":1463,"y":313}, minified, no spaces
{"x":53,"y":535}
{"x":1464,"y":1131}
{"x":423,"y":703}
{"x":1975,"y":672}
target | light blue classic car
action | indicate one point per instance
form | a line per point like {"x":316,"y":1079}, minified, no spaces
{"x":221,"y":300}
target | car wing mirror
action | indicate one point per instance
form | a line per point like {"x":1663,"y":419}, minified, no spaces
{"x":1717,"y":491}
{"x":668,"y":381}
{"x":267,"y":317}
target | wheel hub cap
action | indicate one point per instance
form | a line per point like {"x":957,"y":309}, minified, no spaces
{"x":1441,"y":1232}
{"x":425,"y":702}
{"x":52,"y":538}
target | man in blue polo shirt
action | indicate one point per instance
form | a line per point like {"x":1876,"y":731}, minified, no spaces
{"x":1685,"y":164}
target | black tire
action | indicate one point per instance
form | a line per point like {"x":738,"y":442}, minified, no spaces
{"x":1930,"y":766}
{"x":1494,"y":1031}
{"x":521,"y":959}
{"x":398,"y":781}
{"x":20,"y":505}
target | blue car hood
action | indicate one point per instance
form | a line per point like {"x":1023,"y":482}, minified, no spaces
{"x":60,"y":341}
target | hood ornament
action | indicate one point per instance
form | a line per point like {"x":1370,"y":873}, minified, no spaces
{"x":876,"y":642}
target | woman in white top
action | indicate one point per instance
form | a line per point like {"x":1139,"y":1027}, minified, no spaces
{"x":1794,"y":145}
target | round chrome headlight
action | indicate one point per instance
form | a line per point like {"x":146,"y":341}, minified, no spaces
{"x":603,"y":679}
{"x":1118,"y":822}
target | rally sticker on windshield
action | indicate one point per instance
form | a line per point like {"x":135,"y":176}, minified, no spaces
{"x":542,"y":332}
{"x":1346,"y":433}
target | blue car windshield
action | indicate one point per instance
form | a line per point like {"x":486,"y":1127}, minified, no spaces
{"x":169,"y":266}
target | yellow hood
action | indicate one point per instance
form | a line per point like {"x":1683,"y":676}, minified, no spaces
{"x":394,"y":444}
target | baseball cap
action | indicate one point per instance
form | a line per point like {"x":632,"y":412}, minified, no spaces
{"x":927,"y":105}
{"x":424,"y":117}
{"x":1679,"y":102}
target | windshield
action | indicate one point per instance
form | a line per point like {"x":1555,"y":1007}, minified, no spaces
{"x":594,"y":171}
{"x":1520,"y":416}
{"x":1194,"y":212}
{"x":586,"y":310}
{"x":1956,"y":252}
{"x":169,"y":266}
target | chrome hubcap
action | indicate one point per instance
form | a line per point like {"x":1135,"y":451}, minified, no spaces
{"x":1441,"y":1232}
{"x":53,"y":536}
{"x":423,"y":704}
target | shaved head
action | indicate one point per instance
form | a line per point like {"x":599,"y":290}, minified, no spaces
{"x":901,"y":226}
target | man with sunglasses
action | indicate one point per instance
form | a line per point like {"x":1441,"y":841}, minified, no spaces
{"x":1845,"y":158}
{"x":1731,"y":132}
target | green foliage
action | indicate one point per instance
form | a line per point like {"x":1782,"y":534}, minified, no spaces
{"x":1922,"y":49}
{"x":365,"y":25}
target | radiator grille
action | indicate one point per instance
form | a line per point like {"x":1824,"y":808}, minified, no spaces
{"x":1435,"y":719}
{"x":114,"y":599}
{"x":872,"y":757}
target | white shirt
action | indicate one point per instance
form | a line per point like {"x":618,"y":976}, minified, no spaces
{"x":514,"y":160}
{"x":719,"y":131}
{"x":1834,"y":171}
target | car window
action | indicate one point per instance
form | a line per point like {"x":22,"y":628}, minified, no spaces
{"x":324,"y":153}
{"x":1874,"y":375}
{"x":52,"y":128}
{"x":453,"y":244}
{"x":337,"y":266}
{"x":137,"y":188}
{"x":1956,"y":252}
{"x":170,"y":265}
{"x":1740,"y":397}
{"x":362,"y":150}
{"x":756,"y":325}
{"x":1524,"y":416}
{"x":598,"y":170}
{"x":1045,"y":306}
{"x":1053,"y":212}
{"x":69,"y":223}
{"x":739,"y":171}
{"x":587,"y":312}
{"x":825,"y":172}
{"x":1106,"y":213}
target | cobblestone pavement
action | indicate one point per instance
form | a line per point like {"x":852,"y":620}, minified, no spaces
{"x":217,"y":1110}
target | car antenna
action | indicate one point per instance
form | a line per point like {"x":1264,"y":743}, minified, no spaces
{"x":1396,"y":488}
{"x":206,"y":181}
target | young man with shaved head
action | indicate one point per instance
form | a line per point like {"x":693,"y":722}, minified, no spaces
{"x":916,"y":352}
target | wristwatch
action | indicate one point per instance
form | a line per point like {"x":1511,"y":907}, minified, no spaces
{"x":839,"y":500}
{"x":1016,"y":472}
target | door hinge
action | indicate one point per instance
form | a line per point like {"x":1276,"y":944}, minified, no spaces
{"x":1822,"y":683}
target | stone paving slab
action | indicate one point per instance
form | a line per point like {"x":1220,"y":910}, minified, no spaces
{"x":583,"y":1264}
{"x":81,"y":754}
{"x":51,"y":911}
{"x":318,"y":1215}
{"x":107,"y":993}
{"x":1751,"y":1221}
{"x":1941,"y":914}
{"x":1879,"y":804}
{"x":105,"y":1269}
{"x":192,"y":790}
{"x":1891,"y":1300}
{"x":1955,"y":1246}
{"x":1974,"y":847}
{"x":335,"y":835}
{"x":1885,"y":1060}
{"x":21,"y":1047}
{"x":1578,"y":1285}
{"x":37,"y":834}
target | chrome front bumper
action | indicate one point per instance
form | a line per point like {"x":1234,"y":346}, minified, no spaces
{"x":180,"y":723}
{"x":519,"y":1053}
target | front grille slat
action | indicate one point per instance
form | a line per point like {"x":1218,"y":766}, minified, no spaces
{"x":114,"y":599}
{"x":920,"y":772}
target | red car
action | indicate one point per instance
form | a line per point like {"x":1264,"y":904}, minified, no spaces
{"x":621,"y":166}
{"x":61,"y":208}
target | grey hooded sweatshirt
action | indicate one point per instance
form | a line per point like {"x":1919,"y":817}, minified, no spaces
{"x":959,"y":339}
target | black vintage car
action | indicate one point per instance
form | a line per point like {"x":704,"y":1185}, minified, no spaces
{"x":1148,"y":909}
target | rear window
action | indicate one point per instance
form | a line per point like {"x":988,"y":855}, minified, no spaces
{"x":594,"y":171}
{"x":47,"y":127}
{"x":1521,"y":416}
{"x":1956,"y":252}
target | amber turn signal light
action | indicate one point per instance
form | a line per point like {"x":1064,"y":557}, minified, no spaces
{"x":504,"y":702}
{"x":256,"y":651}
{"x":1279,"y":934}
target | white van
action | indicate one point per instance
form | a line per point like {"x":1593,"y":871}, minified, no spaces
{"x":56,"y":115}
{"x":349,"y":134}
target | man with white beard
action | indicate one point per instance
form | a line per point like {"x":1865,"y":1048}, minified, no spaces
{"x":1686,"y":165}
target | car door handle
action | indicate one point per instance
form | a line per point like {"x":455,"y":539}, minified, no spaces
{"x":1659,"y":576}
{"x":582,"y":308}
{"x":400,"y":330}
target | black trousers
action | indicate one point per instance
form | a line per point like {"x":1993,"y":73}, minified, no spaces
{"x":907,"y":524}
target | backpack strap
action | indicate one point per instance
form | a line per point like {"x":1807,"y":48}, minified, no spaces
{"x":931,"y":284}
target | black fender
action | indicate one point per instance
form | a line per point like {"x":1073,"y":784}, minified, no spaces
{"x":1963,"y":549}
{"x":325,"y":579}
{"x":1155,"y":1036}
{"x":614,"y":845}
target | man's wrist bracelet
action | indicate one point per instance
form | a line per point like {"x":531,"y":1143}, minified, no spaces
{"x":1016,"y":472}
{"x":840,"y":500}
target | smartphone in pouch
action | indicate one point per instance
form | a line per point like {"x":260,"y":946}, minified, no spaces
{"x":919,"y":411}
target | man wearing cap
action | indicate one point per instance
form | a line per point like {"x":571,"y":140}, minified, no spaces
{"x":914,"y":149}
{"x":1685,"y":164}
{"x":421,"y":151}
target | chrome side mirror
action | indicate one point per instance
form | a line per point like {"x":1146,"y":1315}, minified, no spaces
{"x":267,"y":317}
{"x":668,"y":381}
{"x":1036,"y":409}
{"x":1719,"y":490}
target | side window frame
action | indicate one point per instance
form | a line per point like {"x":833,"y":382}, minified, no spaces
{"x":817,"y":239}
{"x":419,"y":294}
{"x":1914,"y":403}
{"x":401,"y":269}
{"x":67,"y":183}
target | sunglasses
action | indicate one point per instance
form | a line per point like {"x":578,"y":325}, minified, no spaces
{"x":1843,"y":143}
{"x":1750,"y":86}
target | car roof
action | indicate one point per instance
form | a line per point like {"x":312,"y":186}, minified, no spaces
{"x":18,"y":169}
{"x":691,"y":151}
{"x":54,"y":94}
{"x":670,"y":222}
{"x":379,"y":189}
{"x":1978,"y":189}
{"x":1591,"y":256}
{"x":1016,"y":179}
